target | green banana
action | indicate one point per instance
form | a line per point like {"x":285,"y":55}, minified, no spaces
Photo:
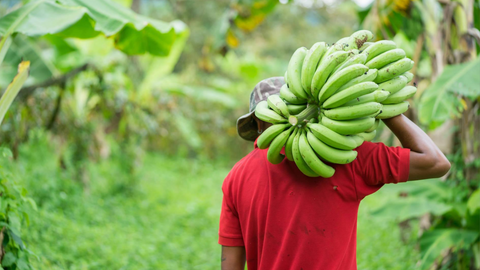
{"x":367,"y":136}
{"x":393,"y":70}
{"x":359,"y":140}
{"x":376,"y":96}
{"x":273,"y":154}
{"x":340,"y":78}
{"x":349,"y":127}
{"x":368,"y":76}
{"x":409,"y":76}
{"x":297,"y":156}
{"x":379,"y":47}
{"x":285,"y":78}
{"x":290,"y":97}
{"x":328,"y":153}
{"x":269,"y":134}
{"x":311,"y":159}
{"x":377,"y":122}
{"x":350,"y":93}
{"x":324,"y":70}
{"x":310,"y":64}
{"x":277,"y":104}
{"x":296,"y":109}
{"x":332,"y":138}
{"x":404,"y":94}
{"x":294,"y":71}
{"x":289,"y":144}
{"x":365,"y":45}
{"x":264,"y":113}
{"x":353,"y":112}
{"x":352,"y":60}
{"x":386,"y":58}
{"x":394,"y":85}
{"x":389,"y":111}
{"x":360,"y":37}
{"x":342,"y":44}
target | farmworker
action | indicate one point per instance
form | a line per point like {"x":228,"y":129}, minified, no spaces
{"x":275,"y":217}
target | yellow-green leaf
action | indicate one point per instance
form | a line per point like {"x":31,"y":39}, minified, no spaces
{"x":13,"y":88}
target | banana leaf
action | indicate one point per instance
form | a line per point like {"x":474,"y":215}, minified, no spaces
{"x":443,"y":99}
{"x":41,"y":67}
{"x":13,"y":88}
{"x":132,"y":33}
{"x":186,"y":127}
{"x":400,"y":209}
{"x":473,"y":203}
{"x":434,"y":242}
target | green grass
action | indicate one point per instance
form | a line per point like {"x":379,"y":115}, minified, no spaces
{"x":165,"y":219}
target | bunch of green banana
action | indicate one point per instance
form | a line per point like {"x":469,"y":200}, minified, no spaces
{"x":332,"y":100}
{"x":392,"y":76}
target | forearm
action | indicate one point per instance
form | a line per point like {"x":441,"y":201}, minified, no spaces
{"x":426,"y":159}
{"x":233,"y":258}
{"x":410,"y":135}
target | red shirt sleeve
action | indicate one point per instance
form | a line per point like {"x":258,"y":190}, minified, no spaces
{"x":230,"y":233}
{"x":378,"y":164}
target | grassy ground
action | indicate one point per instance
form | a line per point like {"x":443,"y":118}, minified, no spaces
{"x":168,"y":221}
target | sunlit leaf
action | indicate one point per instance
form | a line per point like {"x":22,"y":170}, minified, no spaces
{"x":23,"y":48}
{"x":132,"y":33}
{"x":13,"y":88}
{"x":433,"y":243}
{"x":439,"y":102}
{"x":203,"y":94}
{"x":4,"y":46}
{"x":405,"y":208}
{"x":473,"y":203}
{"x":158,"y":67}
{"x":187,"y":128}
{"x":432,"y":189}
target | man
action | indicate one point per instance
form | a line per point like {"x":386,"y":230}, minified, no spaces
{"x":275,"y":217}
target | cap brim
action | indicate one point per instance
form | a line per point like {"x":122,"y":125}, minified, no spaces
{"x":247,"y":127}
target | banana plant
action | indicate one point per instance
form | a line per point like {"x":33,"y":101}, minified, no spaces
{"x":456,"y":218}
{"x":13,"y":253}
{"x":443,"y":36}
{"x":132,"y":33}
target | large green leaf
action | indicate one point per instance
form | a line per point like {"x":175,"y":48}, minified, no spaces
{"x":132,"y":33}
{"x":433,"y":189}
{"x":440,"y":101}
{"x":433,"y":243}
{"x":405,"y":208}
{"x":201,"y":93}
{"x":13,"y":88}
{"x":41,"y":67}
{"x":473,"y":203}
{"x":186,"y":127}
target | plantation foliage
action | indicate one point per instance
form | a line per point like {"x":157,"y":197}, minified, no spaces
{"x":122,"y":126}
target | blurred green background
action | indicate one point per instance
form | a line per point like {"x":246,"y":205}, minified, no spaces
{"x":114,"y":152}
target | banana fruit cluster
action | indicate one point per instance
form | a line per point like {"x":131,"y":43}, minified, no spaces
{"x":332,"y":101}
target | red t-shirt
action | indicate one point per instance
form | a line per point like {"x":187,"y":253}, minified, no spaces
{"x":287,"y":220}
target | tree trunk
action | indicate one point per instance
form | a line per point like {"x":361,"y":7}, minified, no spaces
{"x":470,"y":121}
{"x":135,"y":6}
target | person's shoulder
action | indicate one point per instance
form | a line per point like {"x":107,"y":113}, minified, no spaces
{"x":253,"y":161}
{"x":366,"y":146}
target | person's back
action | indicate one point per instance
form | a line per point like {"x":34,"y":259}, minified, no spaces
{"x":281,"y":219}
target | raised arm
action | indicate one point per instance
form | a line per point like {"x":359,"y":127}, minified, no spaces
{"x":426,"y":160}
{"x":233,"y":258}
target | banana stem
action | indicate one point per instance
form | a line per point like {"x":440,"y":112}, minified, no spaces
{"x":310,"y":112}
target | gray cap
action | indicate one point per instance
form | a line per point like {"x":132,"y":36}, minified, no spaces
{"x":246,"y":125}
